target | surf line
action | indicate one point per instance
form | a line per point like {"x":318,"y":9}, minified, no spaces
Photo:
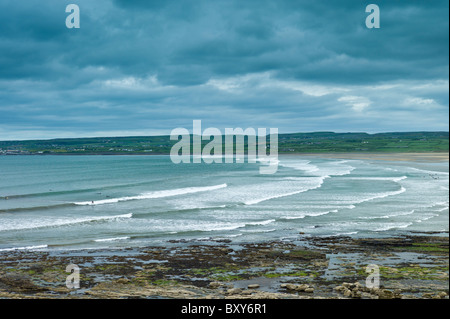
{"x":213,"y":151}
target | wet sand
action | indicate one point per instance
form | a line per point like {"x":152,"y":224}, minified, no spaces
{"x":406,"y":157}
{"x":413,"y":157}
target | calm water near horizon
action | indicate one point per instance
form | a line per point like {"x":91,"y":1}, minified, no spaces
{"x":73,"y":202}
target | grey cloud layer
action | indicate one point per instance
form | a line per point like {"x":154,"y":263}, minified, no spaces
{"x":154,"y":65}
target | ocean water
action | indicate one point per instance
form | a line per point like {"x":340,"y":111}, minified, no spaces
{"x":78,"y":202}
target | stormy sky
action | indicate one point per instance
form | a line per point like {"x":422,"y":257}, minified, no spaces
{"x":145,"y":67}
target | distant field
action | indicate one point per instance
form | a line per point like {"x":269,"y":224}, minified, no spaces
{"x":319,"y":142}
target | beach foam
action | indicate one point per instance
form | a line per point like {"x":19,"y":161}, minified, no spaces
{"x":309,"y":214}
{"x":155,"y":194}
{"x":388,"y":216}
{"x":301,"y":165}
{"x":112,"y":239}
{"x":339,"y":168}
{"x":36,"y":247}
{"x":393,"y":179}
{"x":382,"y":195}
{"x":390,"y":226}
{"x":56,"y":222}
{"x":303,"y":188}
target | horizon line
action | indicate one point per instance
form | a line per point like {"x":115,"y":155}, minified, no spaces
{"x":168,"y":135}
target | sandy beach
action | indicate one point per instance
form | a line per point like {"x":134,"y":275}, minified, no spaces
{"x":414,"y":157}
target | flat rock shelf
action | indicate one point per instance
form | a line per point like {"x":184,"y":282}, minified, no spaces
{"x":309,"y":267}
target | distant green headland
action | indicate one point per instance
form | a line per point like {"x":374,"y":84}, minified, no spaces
{"x":318,"y":142}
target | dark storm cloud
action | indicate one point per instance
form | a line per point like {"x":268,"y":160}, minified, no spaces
{"x":150,"y":66}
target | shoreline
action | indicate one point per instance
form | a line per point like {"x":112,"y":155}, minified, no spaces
{"x":411,"y":266}
{"x":385,"y":156}
{"x":426,"y":157}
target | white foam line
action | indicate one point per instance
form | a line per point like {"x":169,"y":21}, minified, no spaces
{"x":112,"y":239}
{"x":242,"y":225}
{"x":388,"y":216}
{"x":301,"y":166}
{"x":25,"y":248}
{"x":393,"y":179}
{"x":310,"y":215}
{"x":232,"y":236}
{"x":257,"y":201}
{"x":344,"y":234}
{"x":446,"y":204}
{"x":64,"y":222}
{"x":187,"y":207}
{"x":211,"y":228}
{"x":259,"y":231}
{"x":265,"y":222}
{"x":293,"y":217}
{"x":383,"y":195}
{"x":231,"y":227}
{"x":427,"y":218}
{"x":155,"y":194}
{"x":386,"y":228}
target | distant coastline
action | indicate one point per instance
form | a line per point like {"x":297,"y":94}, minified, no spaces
{"x":425,"y":157}
{"x":296,"y":143}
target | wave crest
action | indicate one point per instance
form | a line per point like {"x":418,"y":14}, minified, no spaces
{"x":155,"y":194}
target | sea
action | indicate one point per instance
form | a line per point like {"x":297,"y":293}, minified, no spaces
{"x":101,"y":202}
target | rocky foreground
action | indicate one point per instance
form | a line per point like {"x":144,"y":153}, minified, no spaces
{"x":333,"y":267}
